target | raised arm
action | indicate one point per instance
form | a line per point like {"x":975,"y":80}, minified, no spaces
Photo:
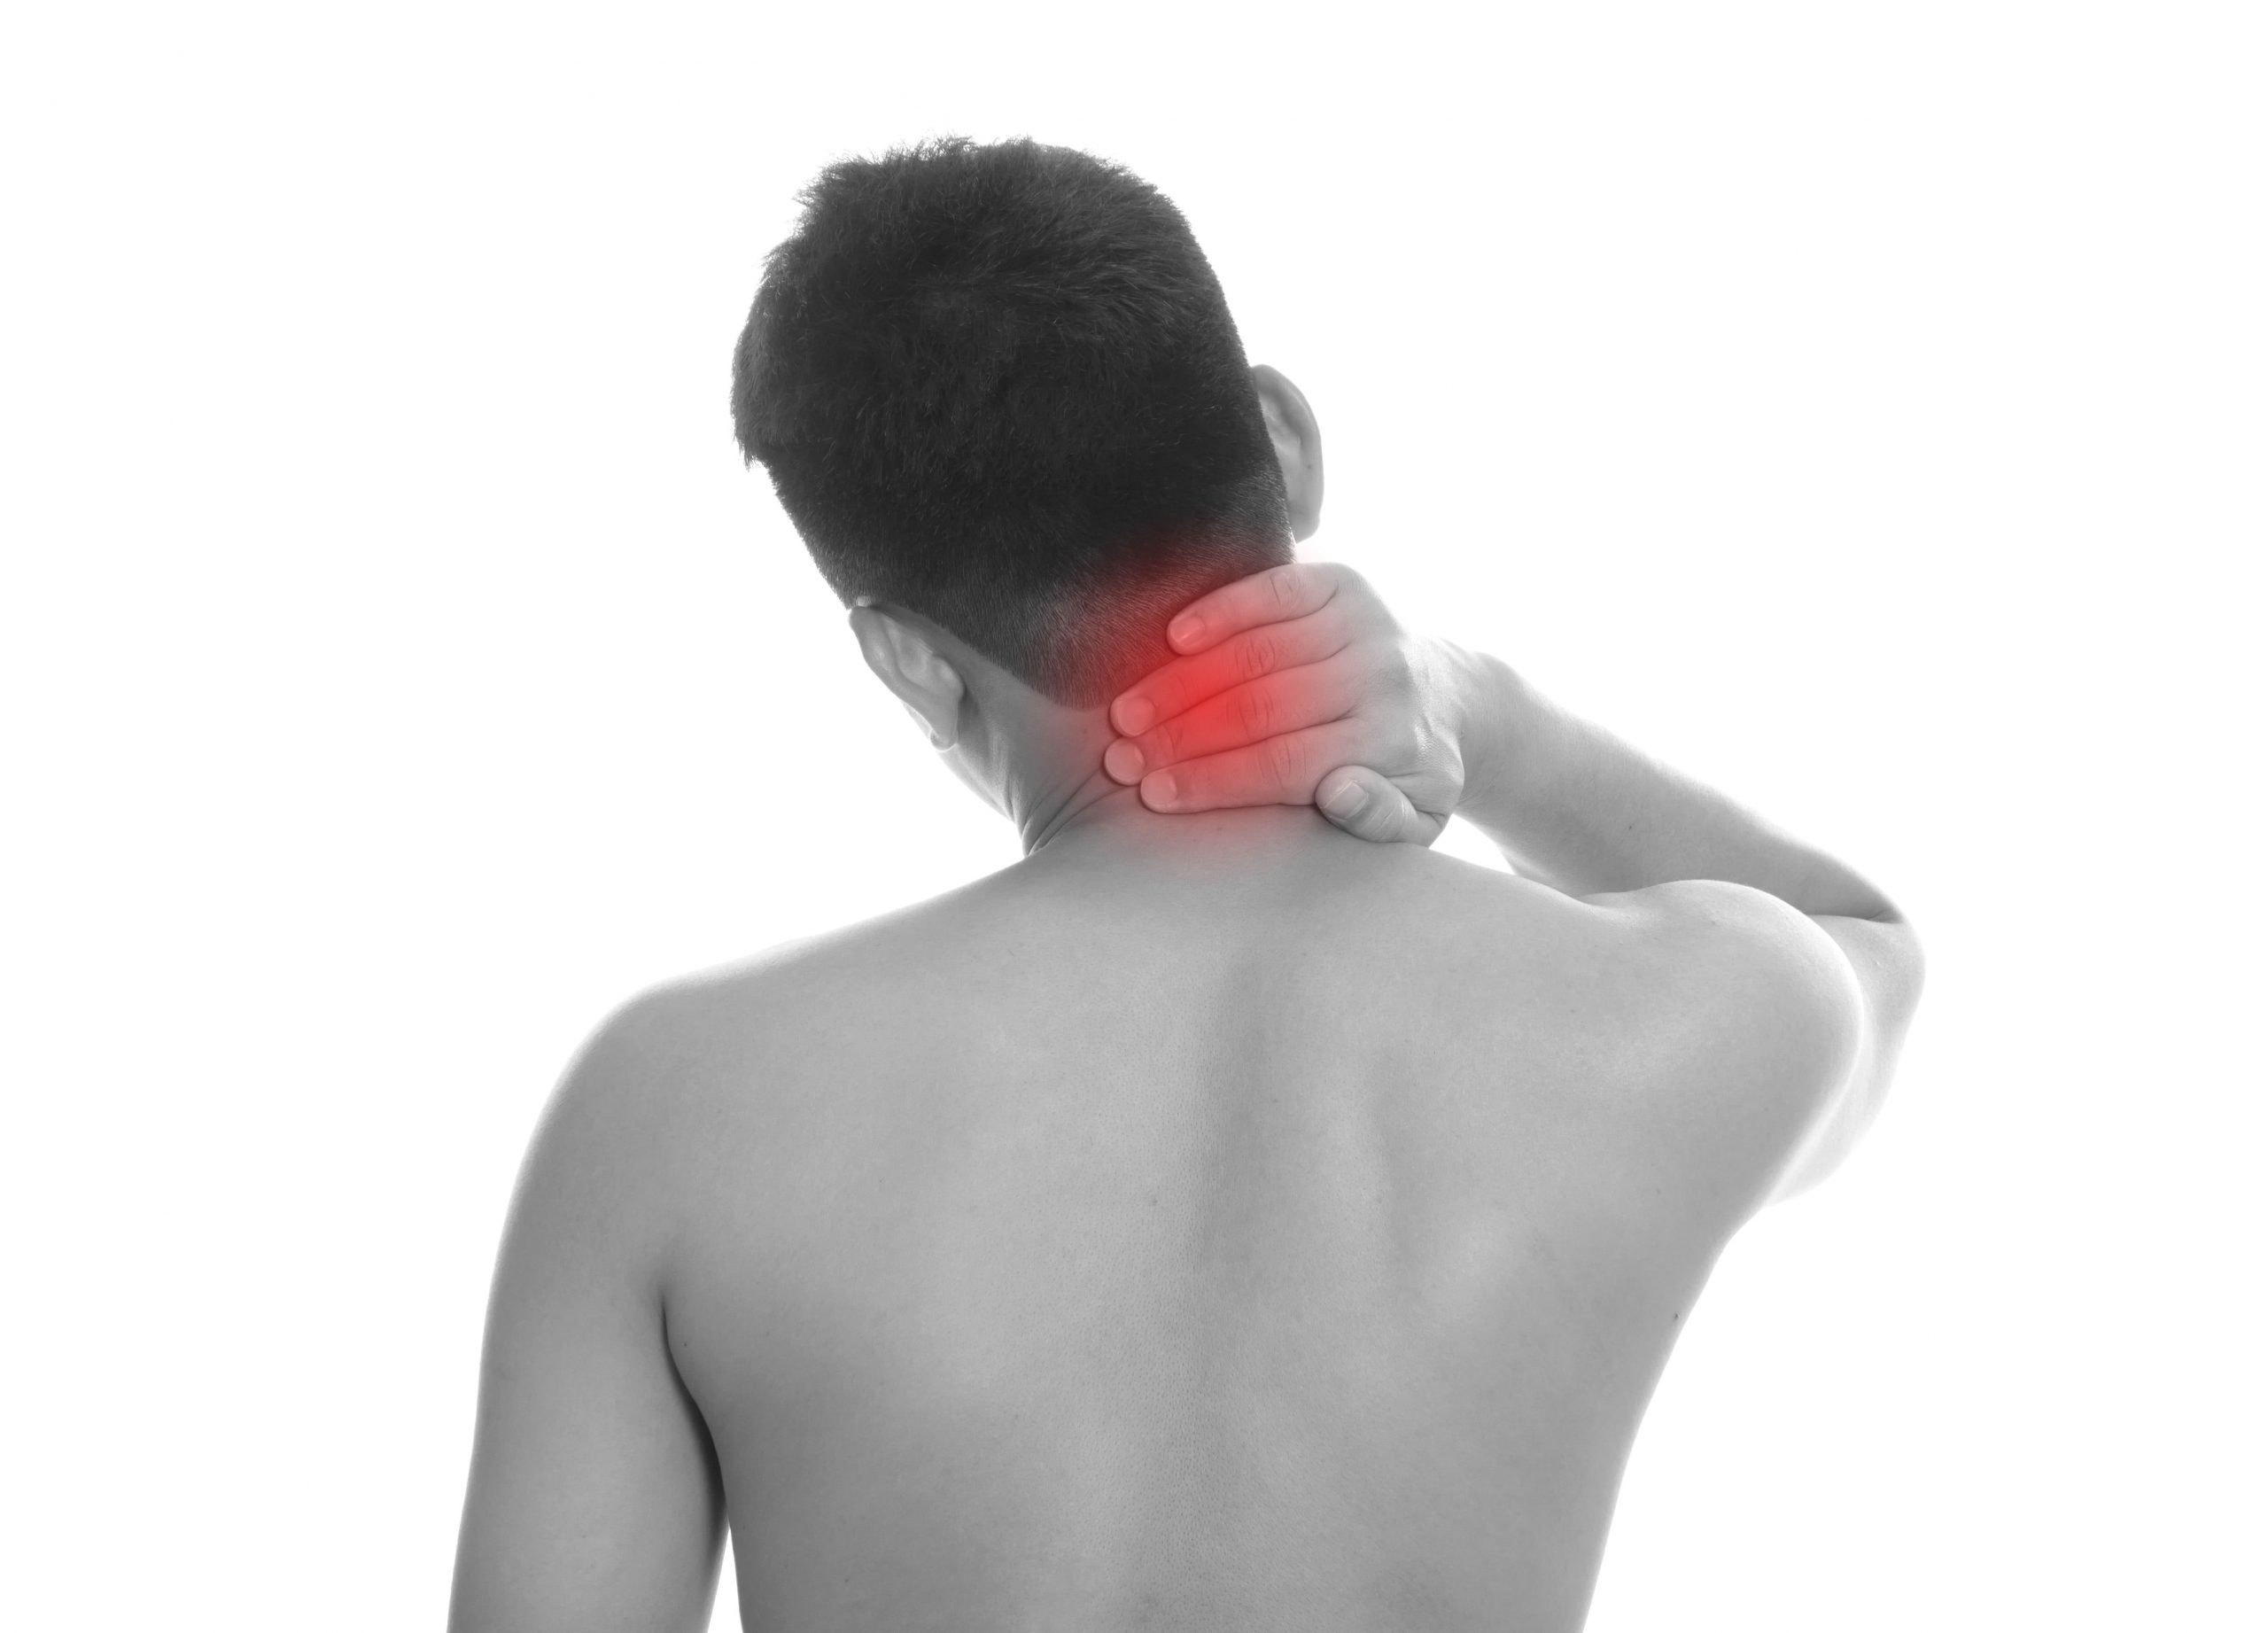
{"x":1573,"y":805}
{"x":1298,"y":684}
{"x":593,"y":1501}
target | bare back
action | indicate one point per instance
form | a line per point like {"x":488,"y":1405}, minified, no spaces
{"x":1065,"y":1252}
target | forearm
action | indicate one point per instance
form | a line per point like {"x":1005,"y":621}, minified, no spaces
{"x":1574,"y":807}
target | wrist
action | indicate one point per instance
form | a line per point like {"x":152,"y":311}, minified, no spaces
{"x":1495,"y":712}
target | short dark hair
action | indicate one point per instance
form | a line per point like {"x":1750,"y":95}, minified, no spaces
{"x":998,"y":386}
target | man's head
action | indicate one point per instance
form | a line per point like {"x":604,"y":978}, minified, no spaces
{"x":998,"y":387}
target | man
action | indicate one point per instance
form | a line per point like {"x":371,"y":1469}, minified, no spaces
{"x":1217,"y":1219}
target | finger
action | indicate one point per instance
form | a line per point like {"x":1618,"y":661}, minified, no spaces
{"x":1370,"y":807}
{"x":1282,"y":771}
{"x":1291,"y":591}
{"x":1174,"y":687}
{"x":1239,"y":717}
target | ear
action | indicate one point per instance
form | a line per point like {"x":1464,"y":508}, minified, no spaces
{"x":918,"y":675}
{"x":1298,"y":445}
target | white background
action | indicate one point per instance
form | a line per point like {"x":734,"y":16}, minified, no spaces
{"x":1860,"y":407}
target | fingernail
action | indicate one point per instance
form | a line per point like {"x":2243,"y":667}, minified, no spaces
{"x":1161,"y":788}
{"x":1181,"y":632}
{"x":1134,"y":715}
{"x":1346,"y":800}
{"x":1123,"y":761}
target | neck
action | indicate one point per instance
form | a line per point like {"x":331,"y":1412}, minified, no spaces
{"x":1095,"y":798}
{"x":1096,"y":814}
{"x":1055,"y":778}
{"x":1043,"y":763}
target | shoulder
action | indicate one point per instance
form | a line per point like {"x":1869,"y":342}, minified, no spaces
{"x":1760,"y":979}
{"x":1424,"y":887}
{"x":671,"y":1071}
{"x":1757,"y":1024}
{"x":840,"y":973}
{"x":1519,"y":946}
{"x":751,"y":1020}
{"x":1698,"y":1030}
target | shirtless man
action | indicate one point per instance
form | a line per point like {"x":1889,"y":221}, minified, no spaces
{"x":1218,"y":1219}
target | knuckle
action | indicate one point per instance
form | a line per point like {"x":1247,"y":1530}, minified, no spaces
{"x":1281,"y":760}
{"x":1256,"y":710}
{"x":1283,"y":586}
{"x":1256,"y":657}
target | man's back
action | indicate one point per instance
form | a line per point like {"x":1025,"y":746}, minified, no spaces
{"x":1266,"y":1230}
{"x":1213,"y":1220}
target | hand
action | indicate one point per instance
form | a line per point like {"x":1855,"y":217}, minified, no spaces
{"x":1296,"y":685}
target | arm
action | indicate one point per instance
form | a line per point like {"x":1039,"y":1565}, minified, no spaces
{"x":594,"y":1501}
{"x":1297,"y":684}
{"x":1572,"y":806}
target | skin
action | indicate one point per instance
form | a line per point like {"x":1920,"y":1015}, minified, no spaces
{"x":1223,"y":1217}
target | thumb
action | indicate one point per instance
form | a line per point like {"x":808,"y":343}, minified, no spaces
{"x":1370,"y":807}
